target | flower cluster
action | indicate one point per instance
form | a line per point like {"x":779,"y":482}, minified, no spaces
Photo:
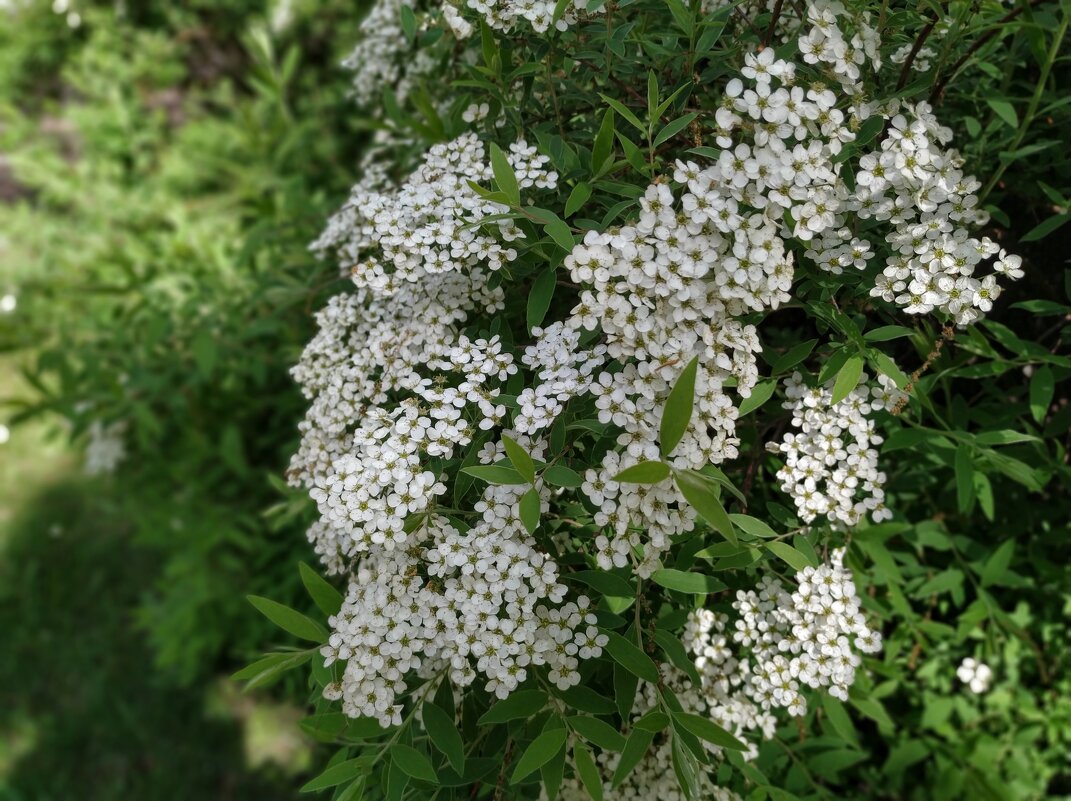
{"x":504,"y":15}
{"x":431,"y":224}
{"x":976,"y":675}
{"x":781,"y":642}
{"x":414,"y":374}
{"x":810,"y":636}
{"x":831,"y":464}
{"x":106,"y":448}
{"x":395,"y":387}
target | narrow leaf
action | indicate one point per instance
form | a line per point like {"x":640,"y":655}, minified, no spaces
{"x":542,"y":749}
{"x":289,"y":620}
{"x":677,"y":412}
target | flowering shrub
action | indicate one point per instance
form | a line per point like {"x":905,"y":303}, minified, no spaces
{"x":607,"y":434}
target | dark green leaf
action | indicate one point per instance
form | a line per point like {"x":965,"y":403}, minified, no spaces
{"x":707,"y":729}
{"x":630,"y":657}
{"x":682,"y":581}
{"x":588,"y":771}
{"x":542,"y":750}
{"x":677,"y":412}
{"x":643,"y":473}
{"x":698,"y":491}
{"x":847,"y":378}
{"x":289,"y":620}
{"x":540,"y":297}
{"x":327,"y":599}
{"x":522,"y":462}
{"x":495,"y":474}
{"x":528,"y":507}
{"x":519,"y":704}
{"x":788,"y":554}
{"x":504,"y":175}
{"x":412,"y":763}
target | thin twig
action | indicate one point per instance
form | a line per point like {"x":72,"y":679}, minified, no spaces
{"x":910,"y":60}
{"x":773,"y":24}
{"x":942,"y":81}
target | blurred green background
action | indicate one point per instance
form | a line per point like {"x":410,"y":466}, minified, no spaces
{"x":162,"y":168}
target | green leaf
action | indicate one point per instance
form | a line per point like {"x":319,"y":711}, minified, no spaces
{"x":587,"y":770}
{"x":654,"y":721}
{"x":520,"y":458}
{"x":552,"y":774}
{"x":623,"y":110}
{"x":541,"y":751}
{"x":674,"y":128}
{"x":753,"y":526}
{"x":598,"y":732}
{"x":495,"y":474}
{"x":886,"y":333}
{"x":839,"y":718}
{"x":270,"y":667}
{"x":997,"y":564}
{"x":605,"y":582}
{"x":787,"y":554}
{"x":793,"y":356}
{"x":577,"y":198}
{"x":707,"y":729}
{"x":677,"y":413}
{"x":289,"y":620}
{"x":561,"y":233}
{"x":652,"y":95}
{"x":336,"y":775}
{"x":686,"y":769}
{"x":760,"y":393}
{"x":1004,"y":110}
{"x":847,"y":378}
{"x":528,"y":508}
{"x":602,"y":148}
{"x":635,"y":750}
{"x":964,"y":477}
{"x":630,"y":657}
{"x":412,"y":763}
{"x":681,"y":581}
{"x":504,"y":175}
{"x":327,"y":599}
{"x":444,"y":735}
{"x":673,"y":648}
{"x":946,"y":581}
{"x":409,"y":23}
{"x":1046,"y":227}
{"x":698,"y":492}
{"x":644,"y":473}
{"x":1042,"y":387}
{"x":205,"y":352}
{"x":520,"y":704}
{"x":541,"y":295}
{"x":559,"y":475}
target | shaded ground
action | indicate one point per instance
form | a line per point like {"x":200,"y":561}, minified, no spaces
{"x":83,"y":714}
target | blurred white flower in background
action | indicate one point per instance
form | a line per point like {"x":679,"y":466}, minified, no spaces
{"x":8,"y":303}
{"x":976,"y":675}
{"x":5,"y":434}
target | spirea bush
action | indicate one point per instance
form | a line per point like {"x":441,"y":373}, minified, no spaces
{"x":661,"y":433}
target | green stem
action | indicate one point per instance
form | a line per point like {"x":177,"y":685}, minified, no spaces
{"x":1032,"y":109}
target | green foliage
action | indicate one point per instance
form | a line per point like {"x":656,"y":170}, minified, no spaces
{"x":157,"y":236}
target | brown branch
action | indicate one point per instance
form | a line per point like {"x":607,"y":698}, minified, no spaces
{"x":910,"y":60}
{"x":942,"y":81}
{"x":773,"y":24}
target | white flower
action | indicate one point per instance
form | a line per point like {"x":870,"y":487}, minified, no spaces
{"x":976,"y":675}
